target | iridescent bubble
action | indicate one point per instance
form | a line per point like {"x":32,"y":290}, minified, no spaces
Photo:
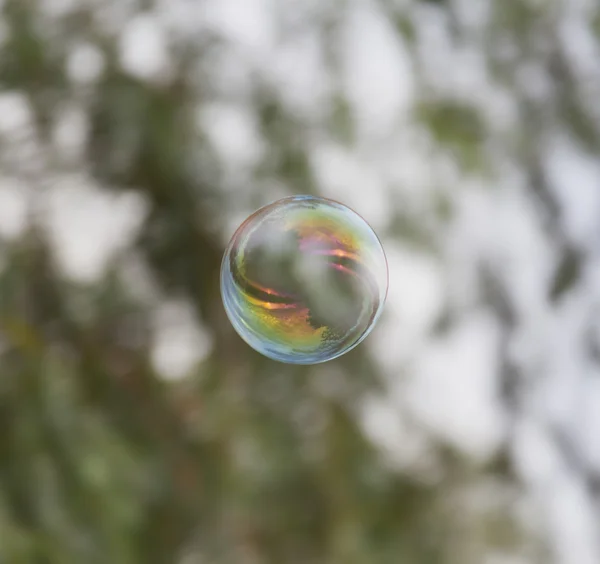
{"x":304,"y":280}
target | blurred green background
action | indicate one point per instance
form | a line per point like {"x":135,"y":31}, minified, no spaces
{"x":136,"y":427}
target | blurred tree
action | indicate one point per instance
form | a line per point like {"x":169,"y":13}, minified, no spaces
{"x":103,"y":458}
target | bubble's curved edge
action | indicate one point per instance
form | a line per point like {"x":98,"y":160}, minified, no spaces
{"x":385,"y":262}
{"x":276,"y":356}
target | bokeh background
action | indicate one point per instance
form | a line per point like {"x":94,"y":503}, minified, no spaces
{"x":136,"y":427}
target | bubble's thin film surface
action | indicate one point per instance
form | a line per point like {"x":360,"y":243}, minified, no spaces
{"x":304,"y":280}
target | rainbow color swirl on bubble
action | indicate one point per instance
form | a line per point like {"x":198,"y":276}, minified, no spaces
{"x":304,"y":280}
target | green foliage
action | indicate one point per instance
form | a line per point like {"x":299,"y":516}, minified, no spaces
{"x":457,"y":127}
{"x":243,"y":460}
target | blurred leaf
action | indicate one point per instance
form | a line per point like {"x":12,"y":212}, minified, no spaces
{"x":457,"y":127}
{"x":567,"y":274}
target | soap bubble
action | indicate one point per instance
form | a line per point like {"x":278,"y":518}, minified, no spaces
{"x":304,"y":280}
